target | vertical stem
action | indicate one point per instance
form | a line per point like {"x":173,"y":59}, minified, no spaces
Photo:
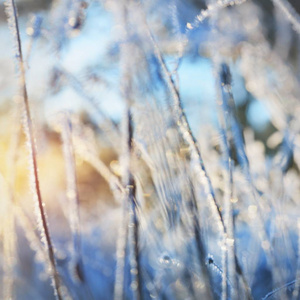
{"x":229,"y":241}
{"x":136,"y":282}
{"x":131,"y":234}
{"x":74,"y":204}
{"x":11,"y":10}
{"x":234,"y":268}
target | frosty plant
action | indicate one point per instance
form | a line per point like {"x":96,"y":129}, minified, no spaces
{"x":162,"y":150}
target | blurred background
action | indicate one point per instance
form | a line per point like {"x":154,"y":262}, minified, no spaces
{"x":75,"y":66}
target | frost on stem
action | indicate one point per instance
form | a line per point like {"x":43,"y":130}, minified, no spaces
{"x":211,"y":10}
{"x":279,"y":289}
{"x":12,"y":15}
{"x":8,"y":239}
{"x":85,"y":146}
{"x":72,"y":192}
{"x":289,"y":12}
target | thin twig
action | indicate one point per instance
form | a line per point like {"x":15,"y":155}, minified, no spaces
{"x":12,"y":15}
{"x":290,"y":13}
{"x":280,"y":288}
{"x":74,"y":204}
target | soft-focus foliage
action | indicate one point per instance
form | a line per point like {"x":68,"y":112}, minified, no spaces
{"x":150,"y":149}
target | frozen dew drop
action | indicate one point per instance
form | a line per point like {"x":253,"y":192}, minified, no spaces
{"x":165,"y":260}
